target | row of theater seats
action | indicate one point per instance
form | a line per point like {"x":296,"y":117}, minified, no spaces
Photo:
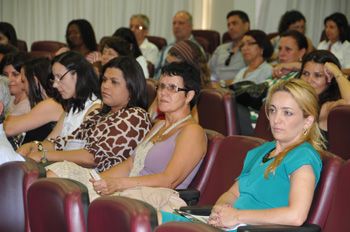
{"x":29,"y":202}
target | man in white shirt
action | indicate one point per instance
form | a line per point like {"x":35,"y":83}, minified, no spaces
{"x":139,"y":24}
{"x":7,"y":153}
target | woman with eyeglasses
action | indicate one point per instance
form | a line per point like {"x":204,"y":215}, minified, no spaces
{"x":109,"y":134}
{"x":172,"y":152}
{"x":45,"y":111}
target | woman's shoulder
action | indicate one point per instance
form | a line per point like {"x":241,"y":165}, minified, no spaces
{"x":305,"y":151}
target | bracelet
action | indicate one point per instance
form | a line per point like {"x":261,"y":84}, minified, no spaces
{"x":39,"y":145}
{"x":43,"y":159}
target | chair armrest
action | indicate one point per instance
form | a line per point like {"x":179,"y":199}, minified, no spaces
{"x":275,"y":228}
{"x":197,"y":210}
{"x":190,"y":196}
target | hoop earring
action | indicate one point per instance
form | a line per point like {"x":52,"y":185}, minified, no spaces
{"x":305,"y":131}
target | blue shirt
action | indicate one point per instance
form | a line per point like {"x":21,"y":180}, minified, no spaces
{"x":258,"y":192}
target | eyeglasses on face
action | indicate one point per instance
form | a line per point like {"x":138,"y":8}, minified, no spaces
{"x":57,"y":78}
{"x":172,"y":88}
{"x":137,"y":27}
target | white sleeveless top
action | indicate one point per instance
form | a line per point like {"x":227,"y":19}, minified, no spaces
{"x":73,"y":119}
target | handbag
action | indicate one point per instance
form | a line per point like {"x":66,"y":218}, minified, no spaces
{"x":160,"y":198}
{"x":250,"y":94}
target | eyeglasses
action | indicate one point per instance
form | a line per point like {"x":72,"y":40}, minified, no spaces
{"x":58,"y":79}
{"x":247,"y":44}
{"x":228,"y":60}
{"x":172,"y":88}
{"x":137,"y":27}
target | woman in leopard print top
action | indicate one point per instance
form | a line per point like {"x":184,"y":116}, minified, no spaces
{"x":108,"y":135}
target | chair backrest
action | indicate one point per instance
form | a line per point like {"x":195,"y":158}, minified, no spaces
{"x":217,"y":111}
{"x":227,"y":166}
{"x":112,"y":213}
{"x":22,"y":45}
{"x":226,"y":37}
{"x":213,"y":37}
{"x":339,"y":214}
{"x":15,"y":179}
{"x":38,"y":54}
{"x":151,"y":90}
{"x":160,"y":42}
{"x":47,"y":46}
{"x":185,"y":227}
{"x":338,"y":131}
{"x":325,"y":190}
{"x":200,"y":180}
{"x":58,"y":204}
{"x":204,"y":43}
{"x":262,"y":128}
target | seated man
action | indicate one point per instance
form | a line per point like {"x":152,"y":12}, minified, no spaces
{"x":7,"y":153}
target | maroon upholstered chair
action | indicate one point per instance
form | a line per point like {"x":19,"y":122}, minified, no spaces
{"x":22,"y":45}
{"x":38,"y":54}
{"x":213,"y":37}
{"x":151,"y":90}
{"x":47,"y":46}
{"x":262,"y":128}
{"x":226,"y":166}
{"x":338,"y":131}
{"x":15,"y":179}
{"x":112,"y":213}
{"x":160,"y":42}
{"x":204,"y":43}
{"x":185,"y":227}
{"x":339,"y":215}
{"x":57,"y":204}
{"x":226,"y":37}
{"x":217,"y":111}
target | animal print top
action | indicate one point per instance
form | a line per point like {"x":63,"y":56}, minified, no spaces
{"x":110,"y":138}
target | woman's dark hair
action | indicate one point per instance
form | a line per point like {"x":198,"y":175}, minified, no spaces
{"x":288,"y":19}
{"x":298,"y":37}
{"x":16,"y":59}
{"x":342,"y":23}
{"x":118,"y":44}
{"x":129,"y":36}
{"x":86,"y":31}
{"x":9,"y":31}
{"x":332,"y":92}
{"x":39,"y":68}
{"x":134,"y":78}
{"x":262,"y":41}
{"x":87,"y":83}
{"x":189,"y":74}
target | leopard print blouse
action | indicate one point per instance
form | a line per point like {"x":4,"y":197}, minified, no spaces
{"x":110,"y":138}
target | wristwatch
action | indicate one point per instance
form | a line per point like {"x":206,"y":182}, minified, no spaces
{"x":39,"y":145}
{"x":41,"y":149}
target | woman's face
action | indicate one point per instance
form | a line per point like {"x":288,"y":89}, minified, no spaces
{"x":288,"y":50}
{"x":286,"y":118}
{"x":64,"y":80}
{"x":114,"y":90}
{"x":298,"y":26}
{"x":332,"y":31}
{"x":108,"y":54}
{"x":74,"y":35}
{"x":169,"y":94}
{"x":314,"y":74}
{"x":3,"y":39}
{"x":16,"y":86}
{"x":250,"y":49}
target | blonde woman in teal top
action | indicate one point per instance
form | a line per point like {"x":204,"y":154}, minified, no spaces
{"x":277,"y":183}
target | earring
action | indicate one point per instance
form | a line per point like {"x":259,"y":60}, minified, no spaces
{"x":305,"y":131}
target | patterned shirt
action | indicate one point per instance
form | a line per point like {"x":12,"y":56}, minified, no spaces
{"x":110,"y":138}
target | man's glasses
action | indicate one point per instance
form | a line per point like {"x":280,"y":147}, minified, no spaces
{"x":228,"y":60}
{"x":172,"y":88}
{"x":137,"y":27}
{"x":57,"y":78}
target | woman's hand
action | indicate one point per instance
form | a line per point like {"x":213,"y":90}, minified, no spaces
{"x":26,"y":149}
{"x":331,"y":70}
{"x":35,"y":156}
{"x":223,"y":216}
{"x":107,"y":185}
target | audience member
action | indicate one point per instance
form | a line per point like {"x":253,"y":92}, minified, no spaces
{"x":256,"y":50}
{"x":182,"y":30}
{"x":8,"y":34}
{"x":113,"y":47}
{"x":322,"y":70}
{"x":139,"y":24}
{"x":291,"y":20}
{"x":337,"y":39}
{"x":278,"y":180}
{"x":129,"y":36}
{"x":45,"y":112}
{"x":108,"y":135}
{"x":172,"y":152}
{"x":7,"y":153}
{"x":227,"y":60}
